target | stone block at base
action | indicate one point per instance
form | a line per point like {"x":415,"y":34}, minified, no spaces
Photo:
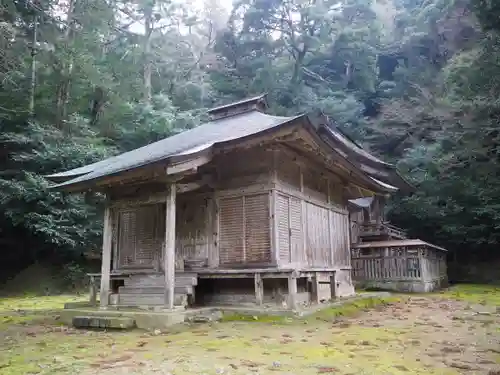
{"x":143,"y":319}
{"x":103,"y":322}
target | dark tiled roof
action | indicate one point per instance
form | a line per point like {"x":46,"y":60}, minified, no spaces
{"x":187,"y":142}
{"x":231,"y":122}
{"x":378,"y":169}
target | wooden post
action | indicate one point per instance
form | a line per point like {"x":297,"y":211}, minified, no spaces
{"x":315,"y":288}
{"x":116,"y":223}
{"x":273,"y":223}
{"x":107,"y":237}
{"x":292,"y":292}
{"x":423,"y":269}
{"x":169,"y":256}
{"x":92,"y":291}
{"x":259,"y":289}
{"x":333,"y":287}
{"x":331,"y":230}
{"x":272,"y":210}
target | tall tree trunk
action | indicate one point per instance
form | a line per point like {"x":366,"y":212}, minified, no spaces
{"x":297,"y":68}
{"x":33,"y":66}
{"x":66,"y":69}
{"x":148,"y":63}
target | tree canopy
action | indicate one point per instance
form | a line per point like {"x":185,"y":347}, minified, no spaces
{"x":415,"y":81}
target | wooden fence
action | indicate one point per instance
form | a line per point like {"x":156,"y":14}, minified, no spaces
{"x":387,"y":268}
{"x":399,"y":264}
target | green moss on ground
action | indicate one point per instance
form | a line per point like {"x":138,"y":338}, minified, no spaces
{"x":354,"y":307}
{"x":473,"y":293}
{"x":328,"y":313}
{"x":30,"y":310}
{"x":260,"y":318}
{"x":340,"y":339}
{"x":38,"y":303}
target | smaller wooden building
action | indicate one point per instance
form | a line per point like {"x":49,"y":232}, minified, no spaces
{"x":400,"y":265}
{"x":383,"y":257}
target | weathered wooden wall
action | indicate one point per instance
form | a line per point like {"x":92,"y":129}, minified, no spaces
{"x":356,"y":220}
{"x":312,"y":223}
{"x":242,"y":211}
{"x":194,"y":228}
{"x":138,"y":235}
{"x":263,"y":209}
{"x":403,"y":268}
{"x":225,"y":226}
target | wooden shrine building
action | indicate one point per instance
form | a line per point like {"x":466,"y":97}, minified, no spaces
{"x":246,"y":208}
{"x":383,"y":257}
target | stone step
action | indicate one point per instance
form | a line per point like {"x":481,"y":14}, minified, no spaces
{"x":149,"y":299}
{"x":103,"y":322}
{"x":153,"y":289}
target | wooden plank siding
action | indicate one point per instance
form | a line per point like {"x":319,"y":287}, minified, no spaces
{"x":257,"y":234}
{"x":400,"y":266}
{"x":193,"y":227}
{"x":283,"y":227}
{"x":311,"y":217}
{"x":231,"y":227}
{"x":356,"y":219}
{"x":244,"y":229}
{"x":140,"y":236}
{"x":244,"y":233}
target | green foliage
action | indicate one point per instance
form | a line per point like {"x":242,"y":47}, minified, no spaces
{"x":32,"y":150}
{"x":488,"y":12}
{"x":415,"y":81}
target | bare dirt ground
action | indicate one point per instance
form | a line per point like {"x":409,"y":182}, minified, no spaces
{"x":452,"y":333}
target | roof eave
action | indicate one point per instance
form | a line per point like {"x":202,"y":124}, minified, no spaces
{"x":393,"y":176}
{"x":87,"y":184}
{"x":314,"y":126}
{"x":168,"y":161}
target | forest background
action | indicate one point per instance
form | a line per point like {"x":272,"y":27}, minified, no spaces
{"x":417,"y":82}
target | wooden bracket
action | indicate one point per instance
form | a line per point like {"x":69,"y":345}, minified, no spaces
{"x":188,"y":166}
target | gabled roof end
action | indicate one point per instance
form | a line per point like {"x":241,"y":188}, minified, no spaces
{"x":257,"y":103}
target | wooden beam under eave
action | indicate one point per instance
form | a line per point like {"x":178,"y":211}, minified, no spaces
{"x":169,"y":250}
{"x":188,"y":165}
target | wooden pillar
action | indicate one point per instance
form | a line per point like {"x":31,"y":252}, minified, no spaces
{"x":273,"y":201}
{"x":292,"y":291}
{"x":114,"y":236}
{"x":107,"y":237}
{"x":259,"y":289}
{"x":423,"y":261}
{"x":274,"y":228}
{"x":315,"y":288}
{"x":169,"y":255}
{"x":333,"y":287}
{"x":92,"y":291}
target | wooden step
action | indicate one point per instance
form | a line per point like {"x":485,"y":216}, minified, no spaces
{"x":153,"y":290}
{"x":149,"y":299}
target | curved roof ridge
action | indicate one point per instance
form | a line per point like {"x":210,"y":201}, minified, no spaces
{"x":357,"y":148}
